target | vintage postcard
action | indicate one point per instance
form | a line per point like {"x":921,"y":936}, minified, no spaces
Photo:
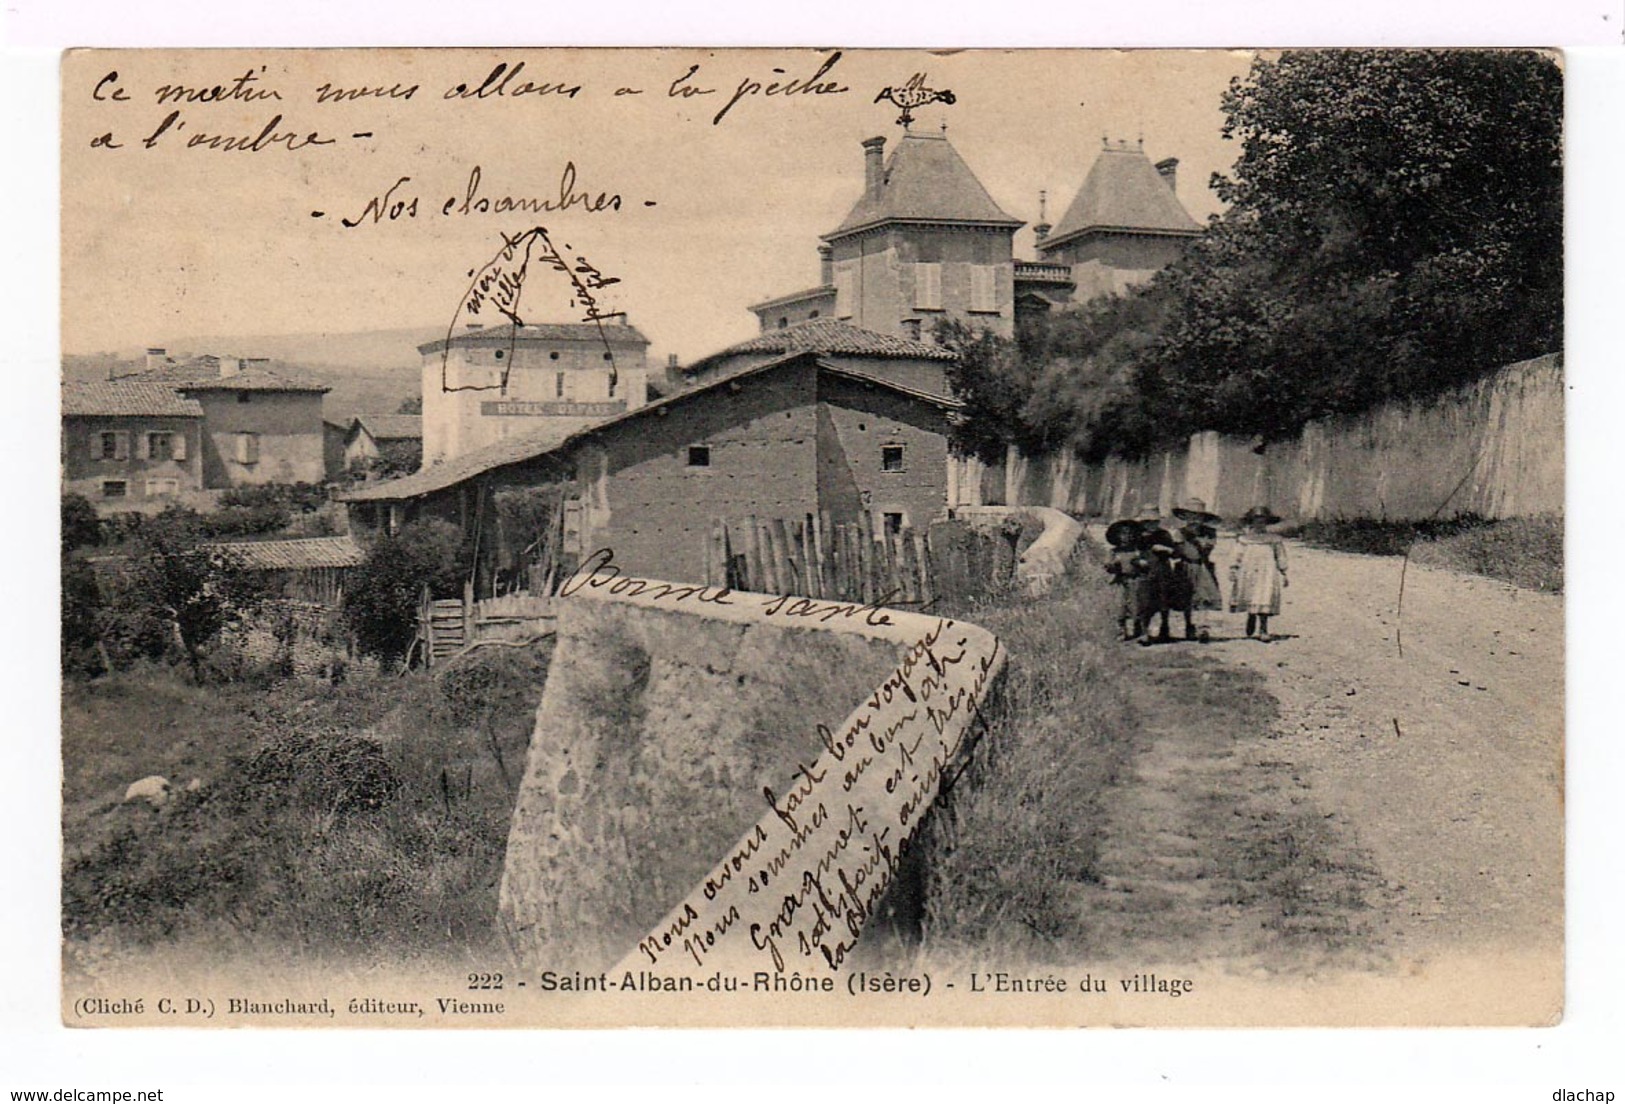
{"x":686,"y":537}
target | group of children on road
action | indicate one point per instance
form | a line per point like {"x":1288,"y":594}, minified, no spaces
{"x":1165,"y":565}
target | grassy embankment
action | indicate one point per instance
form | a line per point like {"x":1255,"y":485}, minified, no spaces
{"x":1025,"y":819}
{"x":1527,"y":552}
{"x":365,"y":821}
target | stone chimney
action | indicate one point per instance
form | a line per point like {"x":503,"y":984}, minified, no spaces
{"x":1167,"y":168}
{"x":155,"y":359}
{"x":826,"y":265}
{"x":230,"y":366}
{"x":874,"y":162}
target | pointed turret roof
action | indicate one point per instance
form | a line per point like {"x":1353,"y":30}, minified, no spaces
{"x":924,"y":180}
{"x":1123,"y":192}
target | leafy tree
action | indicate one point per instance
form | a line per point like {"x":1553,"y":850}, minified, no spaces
{"x":1394,"y":229}
{"x":172,"y":591}
{"x":396,"y":458}
{"x":412,"y":405}
{"x":81,"y":525}
{"x":381,"y":601}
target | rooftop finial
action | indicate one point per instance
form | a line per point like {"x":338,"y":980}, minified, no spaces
{"x":1043,"y":196}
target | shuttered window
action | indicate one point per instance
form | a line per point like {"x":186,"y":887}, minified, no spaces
{"x":177,"y":446}
{"x":928,"y":287}
{"x":984,"y":284}
{"x":248,"y":448}
{"x":110,"y":445}
{"x":845,"y":286}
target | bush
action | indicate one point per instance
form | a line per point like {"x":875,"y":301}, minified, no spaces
{"x":327,"y":771}
{"x":381,"y":602}
{"x":81,"y":614}
{"x":81,"y":525}
{"x":301,"y":498}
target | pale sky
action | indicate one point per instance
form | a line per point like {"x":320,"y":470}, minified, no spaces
{"x":164,"y":242}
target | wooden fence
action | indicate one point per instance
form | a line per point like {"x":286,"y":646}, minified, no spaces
{"x":449,"y":626}
{"x":811,"y":556}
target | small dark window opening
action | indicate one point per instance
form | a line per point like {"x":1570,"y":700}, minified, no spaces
{"x":894,"y":524}
{"x":784,"y":323}
{"x":114,"y":488}
{"x":891,"y":458}
{"x":554,"y":355}
{"x":609,"y":356}
{"x":243,"y":396}
{"x":699,"y":456}
{"x":813,"y":315}
{"x":612,"y":386}
{"x":558,"y":386}
{"x":499,"y":353}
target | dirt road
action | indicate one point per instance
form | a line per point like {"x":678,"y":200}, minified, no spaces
{"x":1445,"y":763}
{"x":1384,"y":812}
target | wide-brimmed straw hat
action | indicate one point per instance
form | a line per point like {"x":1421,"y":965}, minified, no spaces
{"x":1122,"y":534}
{"x":1194,"y":509}
{"x":1260,"y":513}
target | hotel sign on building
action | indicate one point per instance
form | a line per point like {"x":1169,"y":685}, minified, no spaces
{"x":484,"y":384}
{"x":553,"y":409}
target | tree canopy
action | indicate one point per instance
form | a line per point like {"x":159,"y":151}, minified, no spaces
{"x":1393,"y":229}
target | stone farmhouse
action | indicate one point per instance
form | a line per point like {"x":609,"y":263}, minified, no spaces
{"x":778,"y":437}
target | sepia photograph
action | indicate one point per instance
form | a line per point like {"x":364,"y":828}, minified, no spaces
{"x":812,"y":537}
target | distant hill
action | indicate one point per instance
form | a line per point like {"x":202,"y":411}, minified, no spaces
{"x":371,"y":372}
{"x":368,"y":351}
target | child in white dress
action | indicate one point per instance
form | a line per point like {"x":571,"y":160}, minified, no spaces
{"x":1258,"y":575}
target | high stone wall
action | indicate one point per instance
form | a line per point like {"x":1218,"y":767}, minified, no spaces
{"x":661,"y":725}
{"x":1493,"y":448}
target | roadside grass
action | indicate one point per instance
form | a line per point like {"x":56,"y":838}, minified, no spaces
{"x":1223,"y":849}
{"x":1023,"y":822}
{"x":1527,"y":552}
{"x":365,"y":821}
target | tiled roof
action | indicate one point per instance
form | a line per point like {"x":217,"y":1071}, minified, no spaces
{"x":823,"y":291}
{"x":451,"y":472}
{"x":613,"y":332}
{"x":833,"y":338}
{"x":392,"y":427}
{"x":294,"y":555}
{"x":1123,"y":191}
{"x":202,"y":375}
{"x":126,"y":398}
{"x":925,"y":180}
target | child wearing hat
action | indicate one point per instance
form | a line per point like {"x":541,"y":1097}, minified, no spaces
{"x":1258,"y":575}
{"x":1197,"y":535}
{"x":1125,"y":567}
